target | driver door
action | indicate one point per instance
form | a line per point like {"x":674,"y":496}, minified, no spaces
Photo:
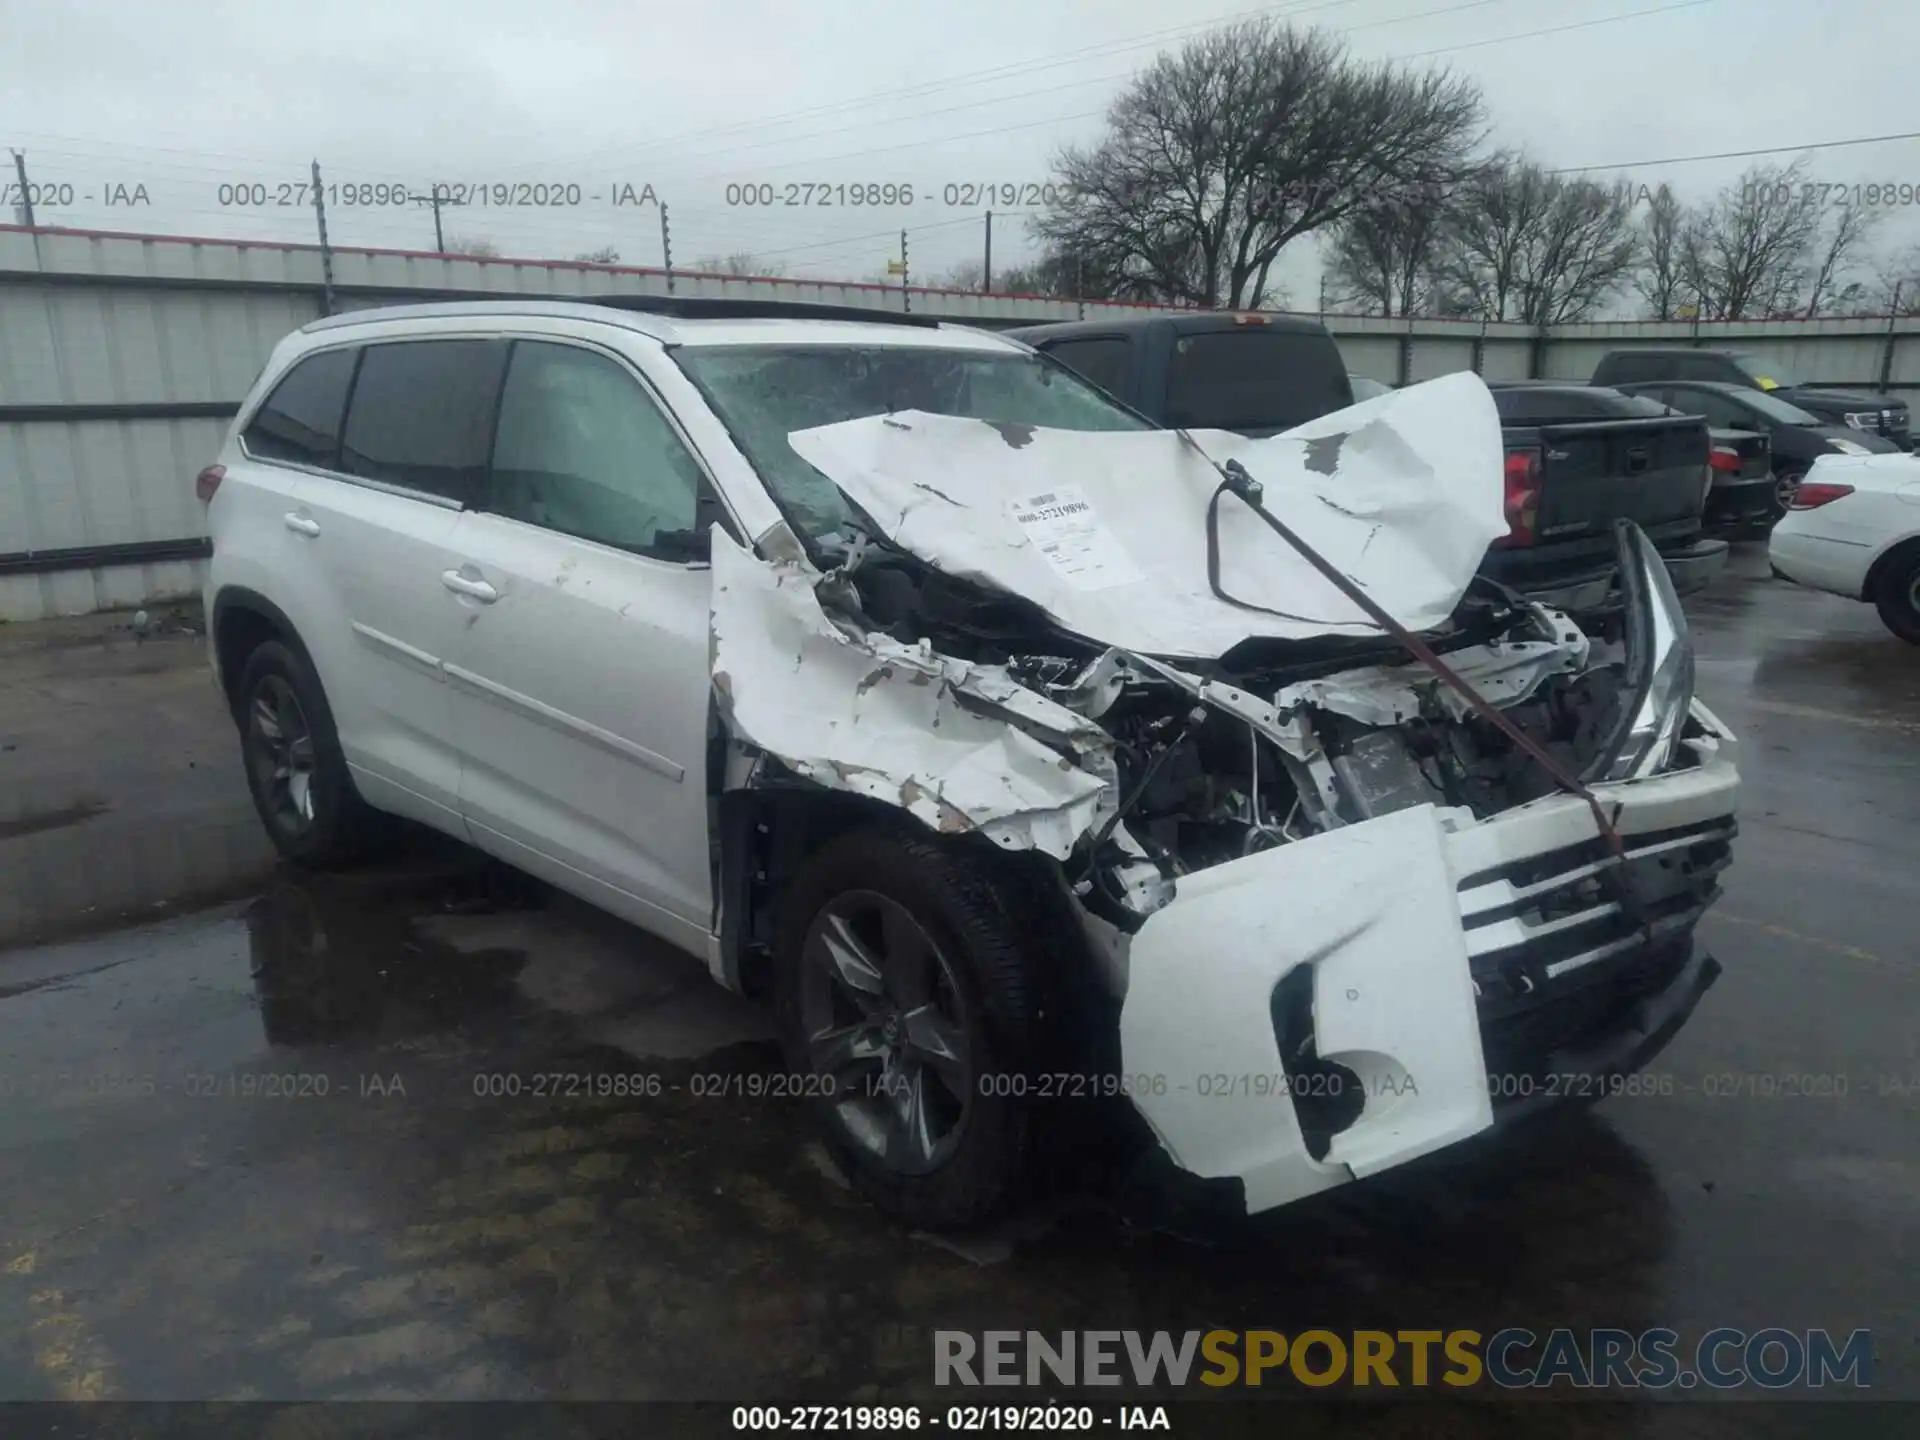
{"x":580,"y":680}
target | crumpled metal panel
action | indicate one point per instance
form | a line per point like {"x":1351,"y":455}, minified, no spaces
{"x":1372,"y":908}
{"x":1106,"y":531}
{"x":943,"y":739}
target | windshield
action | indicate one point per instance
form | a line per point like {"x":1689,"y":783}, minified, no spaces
{"x":1778,"y":411}
{"x":763,"y":393}
{"x":1767,"y":371}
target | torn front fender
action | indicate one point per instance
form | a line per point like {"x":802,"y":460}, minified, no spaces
{"x":1372,"y":908}
{"x":958,"y":746}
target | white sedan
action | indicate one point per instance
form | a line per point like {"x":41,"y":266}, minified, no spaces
{"x":1854,"y":529}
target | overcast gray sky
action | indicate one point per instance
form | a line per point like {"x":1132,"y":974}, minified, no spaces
{"x":183,"y":97}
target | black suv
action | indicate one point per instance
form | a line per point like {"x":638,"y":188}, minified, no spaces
{"x":1877,"y":414}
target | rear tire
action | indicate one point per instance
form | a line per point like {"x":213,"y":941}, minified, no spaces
{"x":1897,"y":596}
{"x":903,"y":975}
{"x":295,"y":770}
{"x":1785,"y":483}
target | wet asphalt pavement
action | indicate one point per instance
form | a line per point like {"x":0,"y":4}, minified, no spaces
{"x":270,"y":1136}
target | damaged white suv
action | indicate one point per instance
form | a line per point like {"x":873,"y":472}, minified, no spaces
{"x":1023,"y":752}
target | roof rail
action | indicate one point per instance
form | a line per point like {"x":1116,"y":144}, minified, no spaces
{"x":696,"y":307}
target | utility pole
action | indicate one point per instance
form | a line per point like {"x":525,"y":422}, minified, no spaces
{"x":666,"y":245}
{"x":26,"y":194}
{"x":986,"y":264}
{"x":906,"y":296}
{"x":1886,"y":353}
{"x":326,"y":251}
{"x":434,"y":198}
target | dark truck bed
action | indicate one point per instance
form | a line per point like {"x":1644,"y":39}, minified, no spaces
{"x":1596,"y":455}
{"x":1578,"y":457}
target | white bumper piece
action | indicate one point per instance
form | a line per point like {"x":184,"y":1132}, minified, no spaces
{"x":1373,"y":908}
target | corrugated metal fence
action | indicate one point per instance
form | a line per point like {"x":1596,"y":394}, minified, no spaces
{"x":122,"y":357}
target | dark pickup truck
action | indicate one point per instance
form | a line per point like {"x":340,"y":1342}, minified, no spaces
{"x":1871,"y":412}
{"x":1577,"y":457}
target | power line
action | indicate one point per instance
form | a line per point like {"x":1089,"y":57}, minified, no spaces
{"x":682,"y":158}
{"x":1739,"y":154}
{"x":1094,"y":114}
{"x":930,"y":87}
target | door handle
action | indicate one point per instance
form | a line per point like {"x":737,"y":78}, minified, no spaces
{"x":470,"y":586}
{"x":301,"y":524}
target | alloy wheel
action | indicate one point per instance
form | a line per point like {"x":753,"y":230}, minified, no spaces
{"x":883,"y":1015}
{"x":281,"y":753}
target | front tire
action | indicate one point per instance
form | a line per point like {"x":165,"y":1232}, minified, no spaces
{"x":1897,"y":597}
{"x":905,"y":995}
{"x":295,"y":770}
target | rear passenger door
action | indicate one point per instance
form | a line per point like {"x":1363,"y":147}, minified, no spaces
{"x":413,"y":452}
{"x":580,"y":676}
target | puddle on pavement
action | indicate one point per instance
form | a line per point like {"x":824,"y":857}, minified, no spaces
{"x":515,"y":1184}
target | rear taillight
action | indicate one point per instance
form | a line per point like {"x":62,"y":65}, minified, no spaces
{"x":1522,"y":496}
{"x":1811,"y":496}
{"x":208,"y":481}
{"x":1725,"y":459}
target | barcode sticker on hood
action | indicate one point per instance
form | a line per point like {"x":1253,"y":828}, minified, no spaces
{"x":1063,"y":526}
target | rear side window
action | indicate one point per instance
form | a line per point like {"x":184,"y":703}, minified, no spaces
{"x":300,"y":421}
{"x":1102,"y":360}
{"x":1254,"y":378}
{"x":1717,"y":408}
{"x":422,"y":415}
{"x":1706,"y":367}
{"x":1631,"y":367}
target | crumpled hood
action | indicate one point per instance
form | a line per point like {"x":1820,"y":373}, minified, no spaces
{"x":1107,"y":531}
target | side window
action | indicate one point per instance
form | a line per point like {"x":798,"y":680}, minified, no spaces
{"x":1718,"y":409}
{"x":1102,"y":360}
{"x":300,"y":420}
{"x":1703,"y":366}
{"x":421,"y":414}
{"x":582,"y":449}
{"x":1631,"y":367}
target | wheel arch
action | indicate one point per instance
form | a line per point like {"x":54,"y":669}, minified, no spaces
{"x":1895,"y":554}
{"x":766,"y":833}
{"x":241,"y":621}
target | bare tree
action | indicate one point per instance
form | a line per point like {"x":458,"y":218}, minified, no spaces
{"x":1895,"y":288}
{"x":740,"y":263}
{"x":1054,"y":274}
{"x":1523,"y":244}
{"x":965,"y":275}
{"x":1750,"y":252}
{"x":1661,"y":276}
{"x":1489,"y":223}
{"x":476,"y":246}
{"x":1381,"y":256}
{"x":1583,"y":254}
{"x":1248,"y":137}
{"x":606,"y":255}
{"x":1847,"y":230}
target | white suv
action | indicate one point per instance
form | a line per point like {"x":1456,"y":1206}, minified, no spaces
{"x":1018,"y":748}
